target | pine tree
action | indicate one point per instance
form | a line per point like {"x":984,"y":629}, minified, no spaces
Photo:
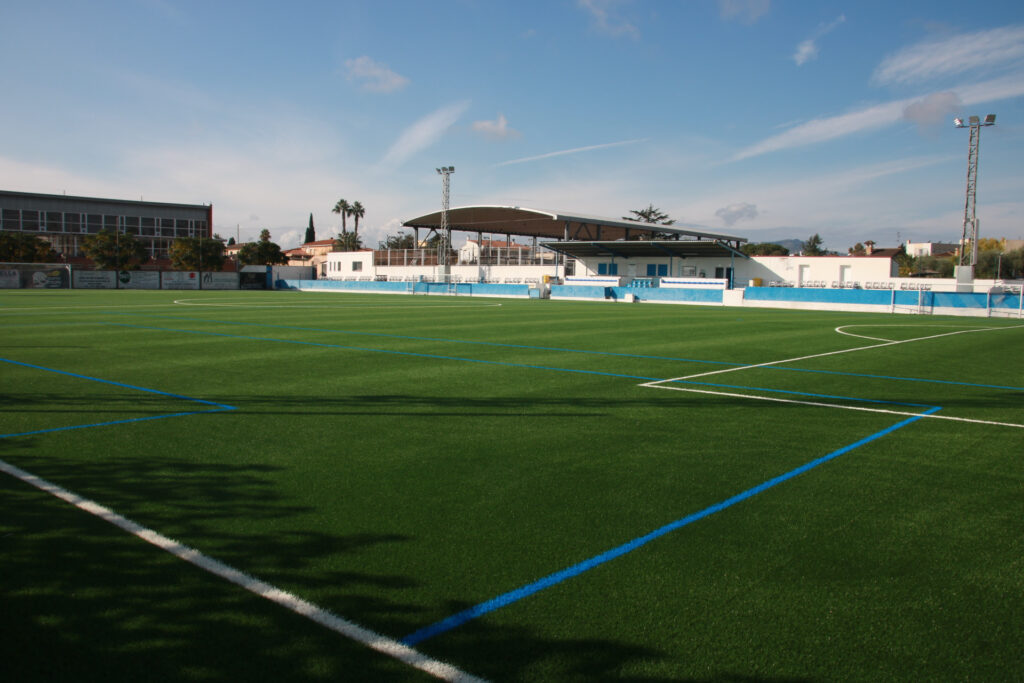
{"x":310,"y":232}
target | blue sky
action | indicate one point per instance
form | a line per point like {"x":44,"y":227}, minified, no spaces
{"x":760,"y":118}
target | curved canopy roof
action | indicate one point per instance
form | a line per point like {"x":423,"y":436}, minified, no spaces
{"x":515,"y":220}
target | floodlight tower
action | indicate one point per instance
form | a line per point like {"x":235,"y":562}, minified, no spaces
{"x":446,"y":231}
{"x":970,"y":231}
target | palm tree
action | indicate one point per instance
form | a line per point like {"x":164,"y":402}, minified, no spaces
{"x":344,"y":208}
{"x":357,"y":210}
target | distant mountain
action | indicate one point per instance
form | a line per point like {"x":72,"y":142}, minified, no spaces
{"x":793,"y":245}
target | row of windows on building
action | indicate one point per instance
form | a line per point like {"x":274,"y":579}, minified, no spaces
{"x":335,"y":266}
{"x":92,"y":223}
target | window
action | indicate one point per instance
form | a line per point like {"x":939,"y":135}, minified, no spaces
{"x":111,"y":224}
{"x":607,"y":268}
{"x":30,"y":220}
{"x":131,"y":225}
{"x":12,"y":219}
{"x":71,"y":222}
{"x":148,"y":225}
{"x":95,"y":223}
{"x":54,"y":222}
{"x":357,"y":266}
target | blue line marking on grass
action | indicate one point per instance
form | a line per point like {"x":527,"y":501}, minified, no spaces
{"x":500,"y":363}
{"x":217,"y":407}
{"x":550,"y":580}
{"x":117,"y":422}
{"x":801,"y":393}
{"x":560,"y":349}
{"x":435,"y":339}
{"x":117,"y":384}
{"x":387,"y":351}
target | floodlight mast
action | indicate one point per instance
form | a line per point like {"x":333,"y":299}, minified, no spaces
{"x":970,"y":229}
{"x":446,"y":231}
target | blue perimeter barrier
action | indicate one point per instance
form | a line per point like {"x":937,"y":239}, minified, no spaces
{"x":459,"y":289}
{"x":884,"y":297}
{"x":653,"y":294}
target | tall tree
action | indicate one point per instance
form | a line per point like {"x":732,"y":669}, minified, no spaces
{"x":348,"y":241}
{"x":399,"y":241}
{"x":262,"y":253}
{"x":197,"y":253}
{"x":357,"y":211}
{"x":114,"y":251}
{"x":21,"y":247}
{"x":764,"y":249}
{"x":231,"y":241}
{"x":813,"y":246}
{"x":858,"y":250}
{"x":342,"y":207}
{"x":310,"y":232}
{"x":649,"y":215}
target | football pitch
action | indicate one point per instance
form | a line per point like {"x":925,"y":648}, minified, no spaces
{"x":308,"y":486}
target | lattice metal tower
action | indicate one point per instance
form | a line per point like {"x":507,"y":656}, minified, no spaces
{"x":970,"y":231}
{"x":446,"y":230}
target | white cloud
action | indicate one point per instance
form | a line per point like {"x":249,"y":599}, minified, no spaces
{"x":375,"y":77}
{"x":952,"y":56}
{"x":820,"y":130}
{"x":575,"y":150}
{"x":745,"y":11}
{"x":497,"y":129}
{"x":808,"y":49}
{"x":740,"y":211}
{"x":423,"y":133}
{"x":932,"y":109}
{"x":606,"y":19}
{"x":879,"y":115}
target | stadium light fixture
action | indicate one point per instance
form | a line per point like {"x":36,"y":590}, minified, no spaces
{"x":970,"y":230}
{"x":446,"y":232}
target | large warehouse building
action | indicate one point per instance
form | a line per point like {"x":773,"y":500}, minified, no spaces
{"x":64,"y":220}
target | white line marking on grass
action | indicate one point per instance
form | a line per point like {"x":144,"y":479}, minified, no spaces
{"x":375,"y":641}
{"x":834,"y":405}
{"x":821,"y":355}
{"x":842,"y":330}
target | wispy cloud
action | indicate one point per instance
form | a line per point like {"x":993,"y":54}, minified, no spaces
{"x":497,"y":129}
{"x":740,"y":211}
{"x":808,"y":49}
{"x":887,"y":113}
{"x":374,"y":76}
{"x":933,"y":108}
{"x":745,"y":11}
{"x":575,"y":150}
{"x":423,"y":133}
{"x":952,"y":56}
{"x":606,"y":18}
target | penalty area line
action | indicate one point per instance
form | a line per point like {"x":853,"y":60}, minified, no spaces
{"x":826,"y":354}
{"x":821,"y":404}
{"x":387,"y":646}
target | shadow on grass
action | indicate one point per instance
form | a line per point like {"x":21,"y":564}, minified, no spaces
{"x":83,"y":600}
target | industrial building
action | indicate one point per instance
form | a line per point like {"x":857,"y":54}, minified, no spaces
{"x":65,"y":220}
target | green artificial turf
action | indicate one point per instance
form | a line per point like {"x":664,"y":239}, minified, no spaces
{"x":397,"y":459}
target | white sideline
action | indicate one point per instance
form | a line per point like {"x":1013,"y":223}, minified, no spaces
{"x":375,"y":641}
{"x":835,"y":405}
